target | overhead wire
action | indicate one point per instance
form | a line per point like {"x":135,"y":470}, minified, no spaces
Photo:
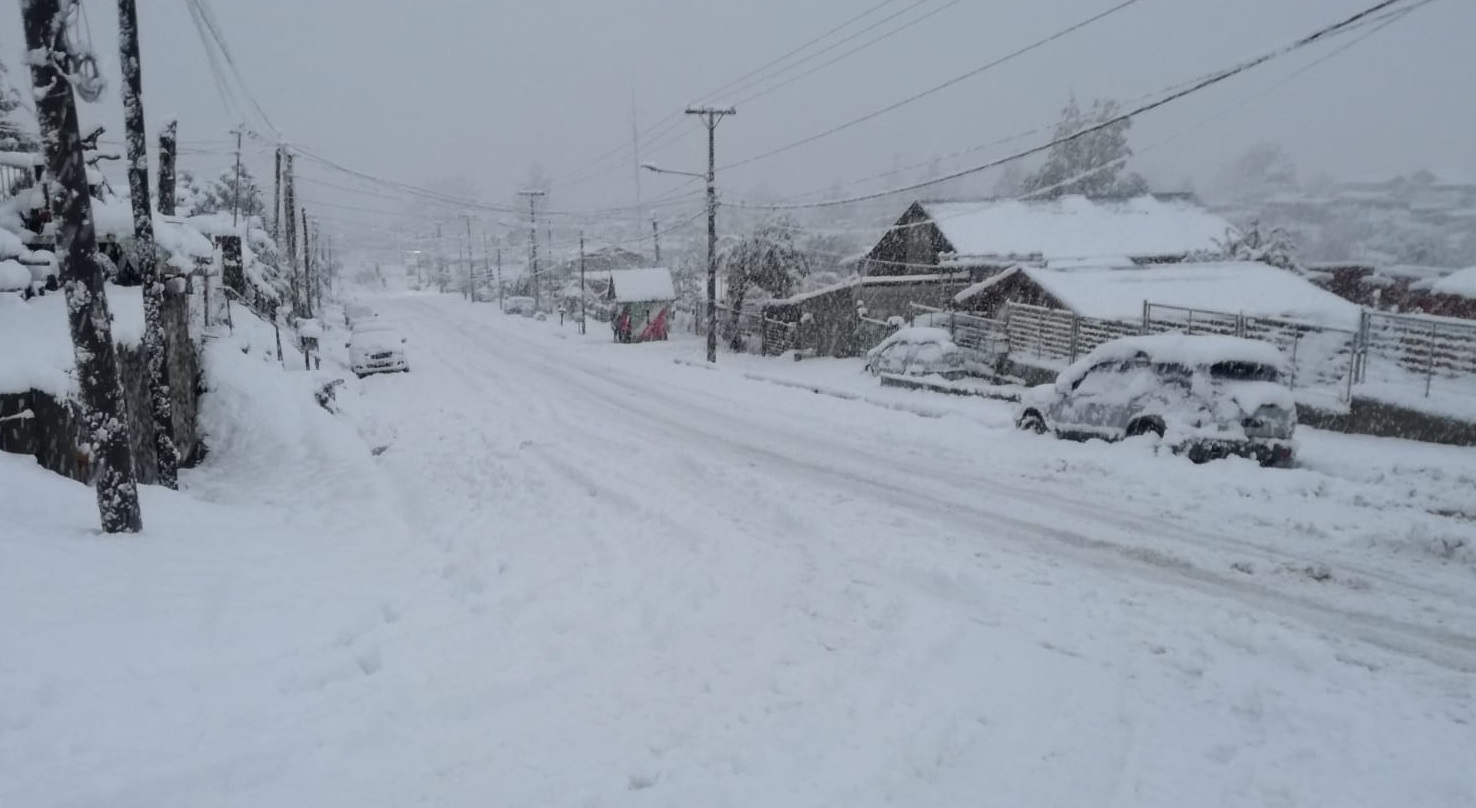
{"x":1217,"y":77}
{"x":1012,"y":55}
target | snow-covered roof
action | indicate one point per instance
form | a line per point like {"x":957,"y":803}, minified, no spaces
{"x":1461,"y":283}
{"x":1074,"y":226}
{"x":1243,"y":287}
{"x":985,"y":285}
{"x":642,"y":285}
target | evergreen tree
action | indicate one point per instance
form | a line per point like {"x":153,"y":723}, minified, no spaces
{"x":230,"y":192}
{"x":1089,"y":164}
{"x":14,"y":135}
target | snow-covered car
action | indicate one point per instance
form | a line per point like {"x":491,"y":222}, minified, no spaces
{"x":917,"y":351}
{"x":376,"y":346}
{"x":519,"y":305}
{"x":1204,"y":396}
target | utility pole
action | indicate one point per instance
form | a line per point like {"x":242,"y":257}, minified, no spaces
{"x":277,"y":200}
{"x":581,"y":282}
{"x":289,"y":229}
{"x":107,"y":459}
{"x":468,"y":218}
{"x":500,"y":302}
{"x":307,"y":267}
{"x":533,"y":244}
{"x":145,"y":253}
{"x":656,"y":240}
{"x":236,"y":189}
{"x":168,"y":144}
{"x":440,"y":260}
{"x":710,"y":118}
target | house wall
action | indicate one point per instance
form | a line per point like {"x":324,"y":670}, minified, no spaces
{"x":911,"y":247}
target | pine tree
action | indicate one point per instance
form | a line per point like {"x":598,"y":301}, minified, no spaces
{"x":14,"y":135}
{"x":1089,"y":163}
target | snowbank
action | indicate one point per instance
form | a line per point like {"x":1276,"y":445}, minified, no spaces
{"x":38,"y":344}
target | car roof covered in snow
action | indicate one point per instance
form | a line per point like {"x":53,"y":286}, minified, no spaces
{"x":642,"y":285}
{"x":915,"y":335}
{"x":1188,"y":350}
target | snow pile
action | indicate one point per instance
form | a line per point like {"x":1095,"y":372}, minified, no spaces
{"x":1461,"y":283}
{"x":1076,"y":227}
{"x":183,"y":244}
{"x":1248,"y":288}
{"x":642,"y":285}
{"x":38,"y":353}
{"x":13,"y":276}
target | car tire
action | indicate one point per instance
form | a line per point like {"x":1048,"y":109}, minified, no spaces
{"x":1144,"y":426}
{"x":1032,"y":421}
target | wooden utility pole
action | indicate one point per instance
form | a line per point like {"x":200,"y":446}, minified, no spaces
{"x":656,"y":240}
{"x":307,"y":267}
{"x":277,"y":200}
{"x":581,"y":282}
{"x":710,"y":118}
{"x":236,"y":188}
{"x":500,"y":301}
{"x":468,"y":218}
{"x":289,"y":230}
{"x":144,"y":253}
{"x":168,"y":146}
{"x":533,"y":244}
{"x":107,"y":456}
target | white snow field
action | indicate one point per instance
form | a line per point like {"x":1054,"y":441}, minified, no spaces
{"x":543,"y":569}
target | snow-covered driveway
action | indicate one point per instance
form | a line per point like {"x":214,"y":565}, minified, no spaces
{"x":597,"y":576}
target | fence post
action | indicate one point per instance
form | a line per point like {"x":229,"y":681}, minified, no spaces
{"x":1430,"y":359}
{"x":1147,"y":316}
{"x":1296,"y":369}
{"x":1075,"y":334}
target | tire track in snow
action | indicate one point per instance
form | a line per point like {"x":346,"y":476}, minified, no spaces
{"x":857,"y":470}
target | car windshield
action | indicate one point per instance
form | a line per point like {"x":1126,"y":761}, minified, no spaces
{"x":1244,"y":372}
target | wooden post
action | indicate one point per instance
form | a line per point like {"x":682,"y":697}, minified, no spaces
{"x":168,"y":144}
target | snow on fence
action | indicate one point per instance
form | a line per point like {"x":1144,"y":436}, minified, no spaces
{"x":1434,"y":355}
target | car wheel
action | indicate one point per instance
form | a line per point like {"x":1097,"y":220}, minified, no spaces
{"x":1144,"y":426}
{"x":1032,"y":421}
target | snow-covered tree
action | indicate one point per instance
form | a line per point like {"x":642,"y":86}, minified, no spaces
{"x":1257,"y":242}
{"x":767,"y":259}
{"x":15,"y":133}
{"x":190,"y":199}
{"x":1089,"y":164}
{"x":231,"y":192}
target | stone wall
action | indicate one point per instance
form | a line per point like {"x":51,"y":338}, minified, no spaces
{"x":53,"y":432}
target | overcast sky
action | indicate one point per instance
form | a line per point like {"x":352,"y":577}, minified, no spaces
{"x":483,"y":90}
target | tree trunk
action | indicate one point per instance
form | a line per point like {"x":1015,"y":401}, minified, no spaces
{"x":108,"y":453}
{"x":145,"y":252}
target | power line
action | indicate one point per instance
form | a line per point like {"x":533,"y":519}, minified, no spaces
{"x":1334,"y":29}
{"x":1039,"y":43}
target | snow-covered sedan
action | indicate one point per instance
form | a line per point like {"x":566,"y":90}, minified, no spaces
{"x":917,"y":351}
{"x":377,"y":346}
{"x":1205,"y":396}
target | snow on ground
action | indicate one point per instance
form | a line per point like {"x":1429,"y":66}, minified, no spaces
{"x":548,"y":569}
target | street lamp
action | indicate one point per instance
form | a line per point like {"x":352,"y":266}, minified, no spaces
{"x":711,"y":248}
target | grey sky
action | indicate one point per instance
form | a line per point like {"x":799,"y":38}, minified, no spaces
{"x":423,"y":90}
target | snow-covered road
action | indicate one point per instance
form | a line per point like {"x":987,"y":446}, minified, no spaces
{"x":580,"y":573}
